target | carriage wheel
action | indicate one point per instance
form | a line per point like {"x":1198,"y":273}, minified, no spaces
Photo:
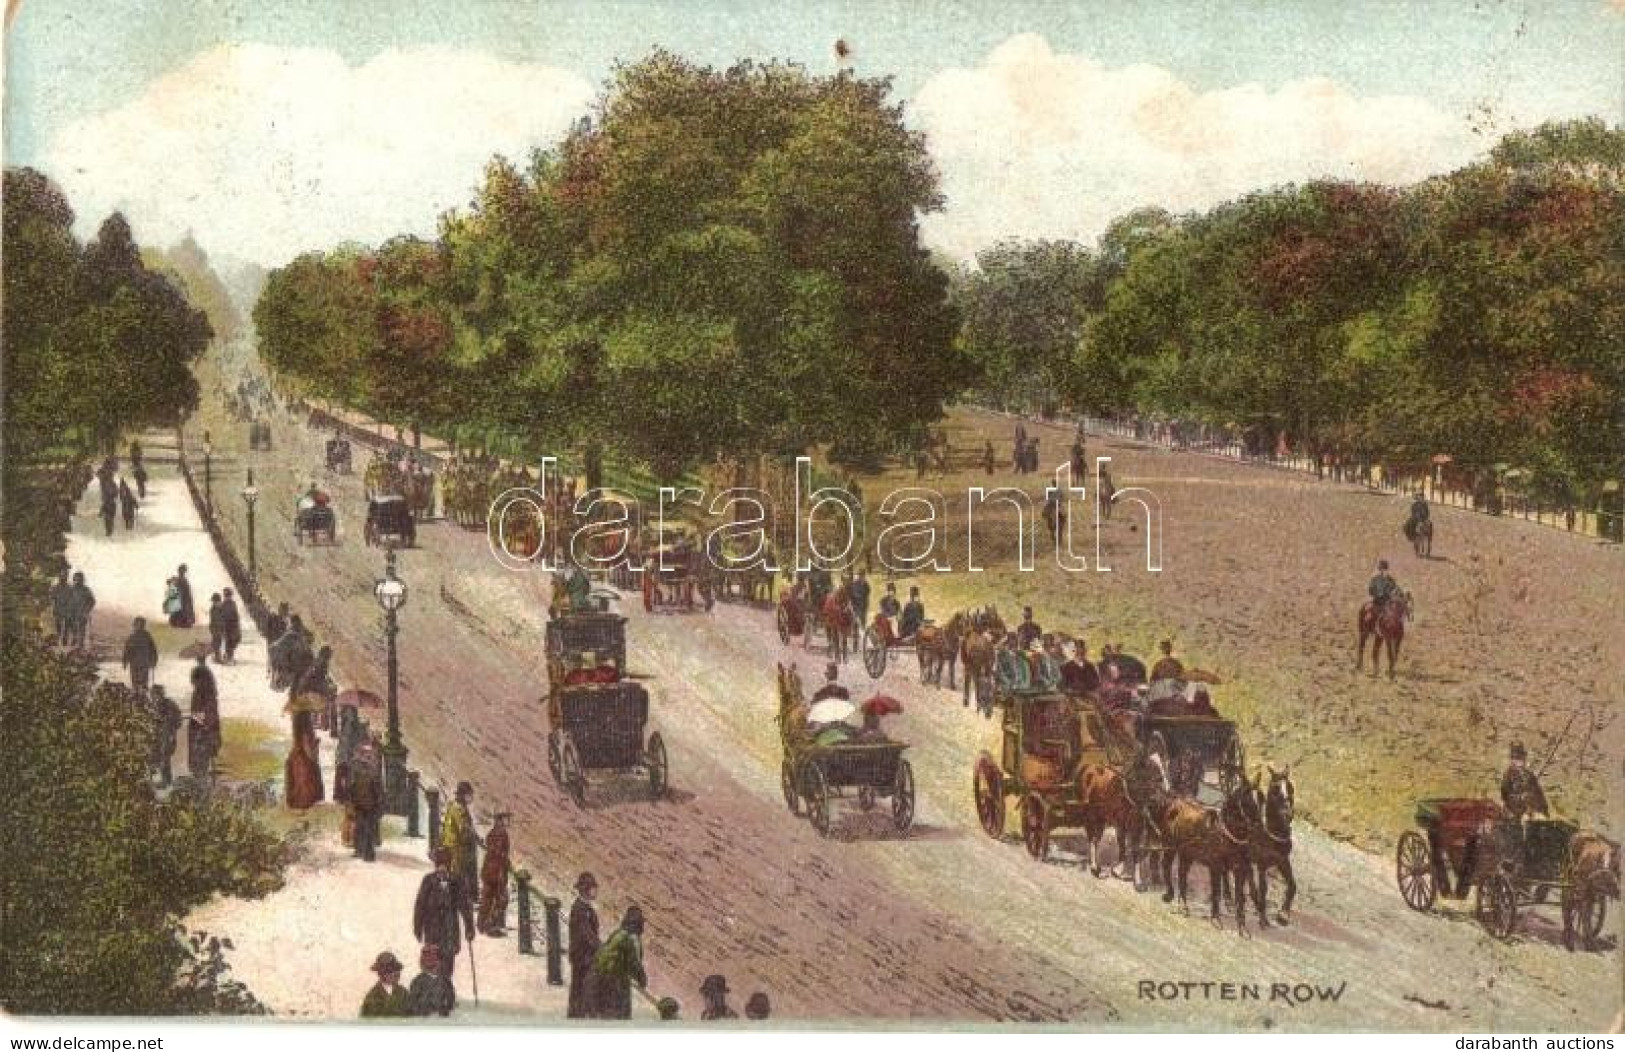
{"x":1413,"y":866}
{"x":989,"y":788}
{"x":902,"y":798}
{"x":866,"y":798}
{"x":1035,"y":826}
{"x":787,"y":782}
{"x":655,"y":760}
{"x":816,"y":792}
{"x":553,"y":758}
{"x":874,"y":653}
{"x":782,"y":619}
{"x":1496,"y":905}
{"x":570,"y":767}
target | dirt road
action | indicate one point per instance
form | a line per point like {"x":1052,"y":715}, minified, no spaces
{"x":943,"y":925}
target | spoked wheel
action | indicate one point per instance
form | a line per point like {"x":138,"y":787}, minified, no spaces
{"x":874,"y":652}
{"x":866,"y":798}
{"x":575,"y":782}
{"x":989,"y":787}
{"x":782,"y":619}
{"x":1496,"y":905}
{"x":553,"y":758}
{"x":1035,"y":826}
{"x":816,"y":792}
{"x":787,"y":782}
{"x":655,"y":760}
{"x":902,"y":798}
{"x":1414,"y":870}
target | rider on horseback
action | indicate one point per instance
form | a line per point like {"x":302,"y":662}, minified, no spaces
{"x":1419,"y":515}
{"x":1383,"y":588}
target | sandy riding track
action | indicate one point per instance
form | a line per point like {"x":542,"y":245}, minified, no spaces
{"x":944,"y":925}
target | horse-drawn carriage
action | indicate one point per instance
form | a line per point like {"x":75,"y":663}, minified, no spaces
{"x":338,"y":455}
{"x":389,"y":521}
{"x":1466,"y":844}
{"x":814,"y":604}
{"x":818,"y":770}
{"x":596,"y":723}
{"x":314,"y":521}
{"x":1194,"y":744}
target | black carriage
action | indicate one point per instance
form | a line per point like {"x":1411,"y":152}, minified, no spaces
{"x":602,"y":633}
{"x":599,"y":727}
{"x":389,"y":521}
{"x":1195,"y":748}
{"x":1463,"y":845}
{"x":314,"y":523}
{"x":673,"y":580}
{"x":815,"y":776}
{"x":338,"y":456}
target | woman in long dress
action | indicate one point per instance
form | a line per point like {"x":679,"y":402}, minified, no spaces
{"x":303,"y":770}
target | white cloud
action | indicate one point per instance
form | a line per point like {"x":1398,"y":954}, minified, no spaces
{"x":1036,"y":144}
{"x":264,"y":152}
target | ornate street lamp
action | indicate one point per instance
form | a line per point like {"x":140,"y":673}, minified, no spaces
{"x":391,"y":594}
{"x":208,"y":475}
{"x":251,"y":494}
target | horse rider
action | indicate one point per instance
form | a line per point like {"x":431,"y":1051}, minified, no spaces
{"x":1419,"y":515}
{"x":1383,"y":588}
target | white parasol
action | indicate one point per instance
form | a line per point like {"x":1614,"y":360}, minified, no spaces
{"x":830,"y":710}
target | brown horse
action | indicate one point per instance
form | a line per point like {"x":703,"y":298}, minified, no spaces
{"x":840,"y":623}
{"x":937,"y":647}
{"x":1105,"y":801}
{"x":1388,"y":628}
{"x":978,"y":649}
{"x":1218,"y":839}
{"x":1272,"y":844}
{"x":1593,"y":879}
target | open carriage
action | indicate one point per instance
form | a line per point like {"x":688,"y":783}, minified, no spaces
{"x":815,"y":773}
{"x":314,"y":522}
{"x":598,"y":724}
{"x":338,"y":455}
{"x":1463,"y":845}
{"x":1195,"y":746}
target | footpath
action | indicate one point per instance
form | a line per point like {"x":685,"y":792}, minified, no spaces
{"x":306,"y":950}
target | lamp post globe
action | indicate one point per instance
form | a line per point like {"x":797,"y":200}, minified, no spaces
{"x":251,"y":494}
{"x":391,"y":592}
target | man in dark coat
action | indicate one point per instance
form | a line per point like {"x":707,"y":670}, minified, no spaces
{"x":584,"y":943}
{"x":127,"y":504}
{"x":1078,"y":676}
{"x":366,"y":800}
{"x":277,"y":624}
{"x":81,"y":602}
{"x":1521,"y":793}
{"x":1028,"y":630}
{"x":203,"y":736}
{"x":217,"y":631}
{"x":140,"y":473}
{"x":167,"y":717}
{"x":140,"y":655}
{"x":231,"y":626}
{"x":62,"y":609}
{"x":913,"y":615}
{"x":440,"y":905}
{"x":109,"y":508}
{"x":858,"y":593}
{"x":186,"y":616}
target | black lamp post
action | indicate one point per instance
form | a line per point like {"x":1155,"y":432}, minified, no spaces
{"x":208,"y":475}
{"x":251,"y":494}
{"x":391,"y":593}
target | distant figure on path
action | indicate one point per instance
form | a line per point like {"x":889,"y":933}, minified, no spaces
{"x":494,"y":879}
{"x":127,"y":504}
{"x":140,"y":655}
{"x":441,"y":904}
{"x":302,"y":772}
{"x":431,"y":993}
{"x":350,"y":737}
{"x":109,"y":508}
{"x":140,"y":473}
{"x":458,"y":837}
{"x":617,"y":966}
{"x":167,"y":716}
{"x":387,"y":998}
{"x":584,"y":944}
{"x":987,"y":457}
{"x":62,"y":609}
{"x":715,"y":992}
{"x":80,"y":604}
{"x":231,"y":626}
{"x":217,"y":631}
{"x":277,"y":624}
{"x":185,"y":614}
{"x":366,"y":801}
{"x":203,"y":736}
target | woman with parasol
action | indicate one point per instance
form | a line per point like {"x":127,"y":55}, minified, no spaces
{"x":873,"y":709}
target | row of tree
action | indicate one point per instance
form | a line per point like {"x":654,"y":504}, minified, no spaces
{"x":714,"y":263}
{"x":99,"y":869}
{"x":1479,"y":314}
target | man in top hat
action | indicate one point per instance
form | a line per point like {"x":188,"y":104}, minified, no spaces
{"x":1078,"y":676}
{"x":831,"y":689}
{"x":913,"y":615}
{"x":890,"y":610}
{"x":494,"y":879}
{"x":1167,"y":666}
{"x":441,"y":904}
{"x":857,"y":593}
{"x":1028,"y":630}
{"x":366,"y":791}
{"x":584,"y":944}
{"x":715,"y":992}
{"x":458,"y":837}
{"x":387,"y":998}
{"x":1521,"y":793}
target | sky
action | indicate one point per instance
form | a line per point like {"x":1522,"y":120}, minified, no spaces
{"x":267,"y":129}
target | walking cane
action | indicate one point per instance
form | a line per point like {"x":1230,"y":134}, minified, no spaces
{"x":473,"y":972}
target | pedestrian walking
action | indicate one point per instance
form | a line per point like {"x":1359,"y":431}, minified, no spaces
{"x":203,"y":736}
{"x":139,"y":471}
{"x":231,"y":626}
{"x":167,"y":716}
{"x":81,"y":602}
{"x":178,"y":600}
{"x":62,"y":609}
{"x":350,"y":738}
{"x":584,"y":943}
{"x":217,"y":631}
{"x":140,"y":655}
{"x":987,"y":457}
{"x":494,"y":879}
{"x":109,"y":508}
{"x":458,"y":837}
{"x":387,"y":998}
{"x":431,"y":993}
{"x":127,"y":504}
{"x":617,"y":966}
{"x":442,"y":917}
{"x":366,"y":800}
{"x":302,"y":771}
